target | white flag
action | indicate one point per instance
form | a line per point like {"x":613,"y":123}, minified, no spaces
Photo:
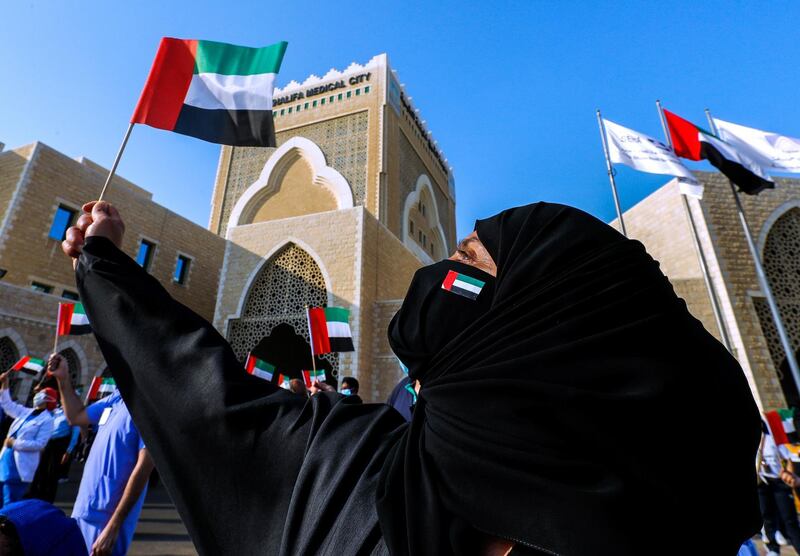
{"x":772,"y":151}
{"x":643,"y":153}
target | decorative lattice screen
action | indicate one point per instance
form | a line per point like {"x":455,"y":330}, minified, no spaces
{"x":8,"y":354}
{"x":284,"y":287}
{"x":782,"y":265}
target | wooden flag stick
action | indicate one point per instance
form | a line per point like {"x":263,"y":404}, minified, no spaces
{"x":311,"y":339}
{"x":58,"y":321}
{"x":116,"y":161}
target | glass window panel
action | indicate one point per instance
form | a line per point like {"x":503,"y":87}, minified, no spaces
{"x":64,"y":219}
{"x":181,"y":269}
{"x":145,"y":255}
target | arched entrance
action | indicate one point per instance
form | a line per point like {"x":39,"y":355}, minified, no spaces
{"x":781,"y":257}
{"x":273,"y":321}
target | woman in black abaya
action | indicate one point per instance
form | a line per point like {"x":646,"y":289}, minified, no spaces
{"x":560,"y":410}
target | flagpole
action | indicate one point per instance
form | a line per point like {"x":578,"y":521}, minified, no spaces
{"x":712,"y":291}
{"x":611,"y":172}
{"x":762,"y":276}
{"x":311,"y":340}
{"x":116,"y":161}
{"x":58,"y":321}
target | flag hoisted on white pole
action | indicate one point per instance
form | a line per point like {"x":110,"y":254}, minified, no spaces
{"x":771,"y":150}
{"x":642,"y":152}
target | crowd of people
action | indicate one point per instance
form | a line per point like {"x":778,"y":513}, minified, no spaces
{"x":545,"y":411}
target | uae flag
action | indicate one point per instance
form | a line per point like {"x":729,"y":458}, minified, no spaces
{"x":214,"y":91}
{"x":463,"y":285}
{"x":329,"y":328}
{"x":310,"y":377}
{"x":72,"y":320}
{"x":284,"y":381}
{"x":100,"y":386}
{"x":787,"y":420}
{"x":29,"y":365}
{"x":776,"y":427}
{"x":259,"y":367}
{"x":694,"y":143}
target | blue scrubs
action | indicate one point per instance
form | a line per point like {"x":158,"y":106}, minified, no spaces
{"x":109,"y":466}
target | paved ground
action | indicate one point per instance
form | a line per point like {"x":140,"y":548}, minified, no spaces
{"x":160,"y":531}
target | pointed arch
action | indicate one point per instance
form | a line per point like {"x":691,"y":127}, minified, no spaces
{"x":424,"y":190}
{"x":275,"y":169}
{"x":290,"y":278}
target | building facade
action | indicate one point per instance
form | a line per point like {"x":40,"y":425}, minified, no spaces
{"x":661,"y":222}
{"x":353,"y":200}
{"x":41,"y":193}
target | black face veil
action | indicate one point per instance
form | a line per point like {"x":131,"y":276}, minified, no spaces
{"x":567,"y":417}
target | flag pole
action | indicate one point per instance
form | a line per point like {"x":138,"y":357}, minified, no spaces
{"x":712,"y":291}
{"x":311,"y":340}
{"x":611,"y":172}
{"x":58,"y":321}
{"x":116,"y":161}
{"x":762,"y":276}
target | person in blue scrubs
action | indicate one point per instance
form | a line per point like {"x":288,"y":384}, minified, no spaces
{"x":115,"y":477}
{"x":55,"y":458}
{"x":27,"y":437}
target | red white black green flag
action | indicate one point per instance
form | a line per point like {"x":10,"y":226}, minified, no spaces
{"x":694,"y":143}
{"x":310,"y":377}
{"x":214,"y":91}
{"x":29,"y":365}
{"x":329,"y":328}
{"x":259,"y":367}
{"x":72,"y":320}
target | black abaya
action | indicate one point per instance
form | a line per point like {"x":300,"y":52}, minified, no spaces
{"x":252,"y":468}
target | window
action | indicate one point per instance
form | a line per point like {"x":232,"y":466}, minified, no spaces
{"x":411,"y":228}
{"x":322,"y":101}
{"x":181,"y":269}
{"x":64,"y":218}
{"x":290,"y":110}
{"x":358,"y":92}
{"x":297,"y":108}
{"x":145,"y":256}
{"x":314,"y":104}
{"x":339,"y":97}
{"x":282,"y":111}
{"x":419,"y":235}
{"x":39,"y":287}
{"x":424,"y":240}
{"x":331,"y":98}
{"x":305,"y":106}
{"x":349,"y":93}
{"x":366,"y":89}
{"x":431,"y":249}
{"x":66,"y":294}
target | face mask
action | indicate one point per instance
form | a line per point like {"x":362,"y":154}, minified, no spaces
{"x":346,"y":392}
{"x":39,"y":399}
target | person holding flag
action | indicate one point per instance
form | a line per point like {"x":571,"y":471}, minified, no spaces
{"x":114,"y":481}
{"x":27,"y":438}
{"x":577,"y":323}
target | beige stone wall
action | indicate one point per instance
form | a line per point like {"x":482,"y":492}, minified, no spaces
{"x":296,"y":195}
{"x":736,"y":267}
{"x":362,"y":261}
{"x":661,"y":223}
{"x":28,"y":319}
{"x":12,"y":164}
{"x":29,"y":254}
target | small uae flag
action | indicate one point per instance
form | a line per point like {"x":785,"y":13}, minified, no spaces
{"x":214,"y":91}
{"x":72,"y":320}
{"x":462,"y":284}
{"x":787,"y":420}
{"x":310,"y":377}
{"x":99,"y":386}
{"x":329,"y":328}
{"x":284,"y":381}
{"x":776,"y":427}
{"x":29,"y":365}
{"x":694,"y":143}
{"x":259,"y":367}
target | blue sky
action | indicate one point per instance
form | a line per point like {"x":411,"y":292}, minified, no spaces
{"x":509,"y":89}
